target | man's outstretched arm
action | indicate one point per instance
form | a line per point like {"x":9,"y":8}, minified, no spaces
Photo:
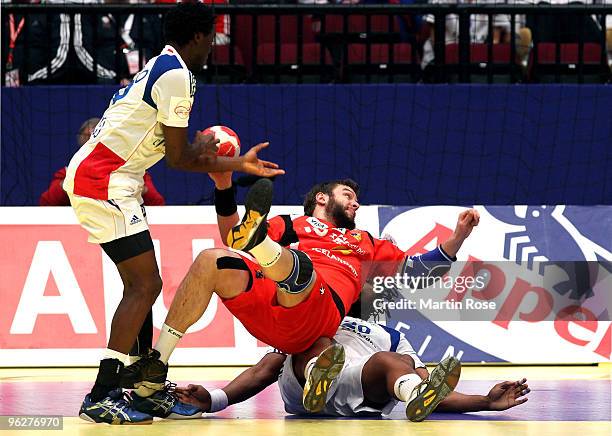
{"x":248,"y":384}
{"x":502,"y":396}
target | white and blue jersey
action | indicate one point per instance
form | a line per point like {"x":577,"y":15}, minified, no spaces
{"x":129,"y":137}
{"x":361,"y":339}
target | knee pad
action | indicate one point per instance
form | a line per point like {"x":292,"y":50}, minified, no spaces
{"x":301,"y":276}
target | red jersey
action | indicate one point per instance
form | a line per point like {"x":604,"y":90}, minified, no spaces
{"x":344,"y":258}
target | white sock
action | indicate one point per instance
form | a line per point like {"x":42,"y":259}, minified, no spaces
{"x":168,"y":338}
{"x":404,"y":386}
{"x":267,"y":252}
{"x":112,"y":354}
{"x":309,"y":367}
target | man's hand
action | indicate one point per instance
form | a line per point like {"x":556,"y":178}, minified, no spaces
{"x":207,"y":145}
{"x":508,"y":394}
{"x":196,"y":395}
{"x":466,"y":222}
{"x":253,"y":165}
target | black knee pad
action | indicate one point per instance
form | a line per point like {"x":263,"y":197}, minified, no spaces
{"x":238,"y":263}
{"x":301,"y":276}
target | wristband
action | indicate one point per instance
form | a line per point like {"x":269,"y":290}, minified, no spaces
{"x":225,"y":202}
{"x":218,"y":400}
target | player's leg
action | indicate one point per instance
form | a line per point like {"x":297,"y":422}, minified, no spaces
{"x":388,"y":375}
{"x":144,"y":340}
{"x":137,"y":267}
{"x":214,"y":271}
{"x":291,"y":269}
{"x":316,"y":369}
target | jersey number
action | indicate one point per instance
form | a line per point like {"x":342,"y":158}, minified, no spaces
{"x":123,"y":91}
{"x":352,"y":325}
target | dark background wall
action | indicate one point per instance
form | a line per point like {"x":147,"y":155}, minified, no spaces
{"x":406,"y":144}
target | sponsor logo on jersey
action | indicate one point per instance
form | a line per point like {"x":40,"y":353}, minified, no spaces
{"x":330,"y":255}
{"x":135,"y":220}
{"x":319,"y":228}
{"x":183,"y":109}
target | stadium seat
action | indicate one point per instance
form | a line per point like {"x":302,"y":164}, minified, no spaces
{"x":311,"y":68}
{"x":221,"y":65}
{"x":543,"y":65}
{"x":483,"y":59}
{"x":381,"y":63}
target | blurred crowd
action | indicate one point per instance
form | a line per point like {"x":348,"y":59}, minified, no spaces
{"x":111,"y":48}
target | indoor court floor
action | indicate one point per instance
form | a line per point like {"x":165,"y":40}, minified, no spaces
{"x":565,"y":400}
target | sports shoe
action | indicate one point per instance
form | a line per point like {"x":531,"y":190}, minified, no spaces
{"x":426,"y":396}
{"x":113,"y":409}
{"x":165,"y":404}
{"x":149,"y":371}
{"x":254,"y":227}
{"x":325,"y":370}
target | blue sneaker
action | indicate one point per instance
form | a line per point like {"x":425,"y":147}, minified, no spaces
{"x":165,"y":404}
{"x":113,"y":409}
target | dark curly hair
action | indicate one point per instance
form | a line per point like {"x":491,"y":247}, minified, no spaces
{"x":326,"y":188}
{"x":185,"y":20}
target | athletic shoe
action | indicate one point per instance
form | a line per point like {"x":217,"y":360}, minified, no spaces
{"x":165,"y":404}
{"x":149,"y":371}
{"x":113,"y":409}
{"x":254,"y":227}
{"x":325,"y":370}
{"x":426,"y":396}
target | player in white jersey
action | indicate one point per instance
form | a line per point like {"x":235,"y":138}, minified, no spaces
{"x":380,"y":366}
{"x":145,"y":122}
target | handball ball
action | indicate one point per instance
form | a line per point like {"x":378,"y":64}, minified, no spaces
{"x":229,"y":143}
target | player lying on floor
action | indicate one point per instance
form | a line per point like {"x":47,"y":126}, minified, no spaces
{"x":380,"y":366}
{"x":285,"y":297}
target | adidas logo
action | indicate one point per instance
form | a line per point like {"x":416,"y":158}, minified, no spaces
{"x":135,"y":220}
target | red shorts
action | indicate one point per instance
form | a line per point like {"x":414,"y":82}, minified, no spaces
{"x":290,"y":330}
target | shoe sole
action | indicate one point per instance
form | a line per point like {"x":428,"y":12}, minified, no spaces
{"x":88,"y":418}
{"x":178,"y":417}
{"x":325,"y":370}
{"x":442,"y":381}
{"x":257,"y":204}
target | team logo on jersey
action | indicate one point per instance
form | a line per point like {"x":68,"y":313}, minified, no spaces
{"x":319,"y":228}
{"x":346,"y":247}
{"x":357,"y":235}
{"x":183,"y":109}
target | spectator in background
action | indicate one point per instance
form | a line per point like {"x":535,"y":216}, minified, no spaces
{"x":56,"y":196}
{"x":479,"y":29}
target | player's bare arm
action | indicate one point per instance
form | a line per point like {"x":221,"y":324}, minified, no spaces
{"x":201,"y":155}
{"x":248,"y":384}
{"x":502,"y":396}
{"x":465,"y":224}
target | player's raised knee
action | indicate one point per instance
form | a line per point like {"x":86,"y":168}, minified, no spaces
{"x":207,"y":259}
{"x":302,"y":275}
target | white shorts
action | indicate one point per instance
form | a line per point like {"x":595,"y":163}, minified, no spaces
{"x":107,"y":220}
{"x":346,"y":395}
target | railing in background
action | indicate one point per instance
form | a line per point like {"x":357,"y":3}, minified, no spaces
{"x":318,"y":44}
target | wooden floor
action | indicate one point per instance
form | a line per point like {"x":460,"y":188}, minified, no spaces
{"x":564,"y":401}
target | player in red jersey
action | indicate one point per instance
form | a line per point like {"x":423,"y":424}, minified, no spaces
{"x":289,"y":297}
